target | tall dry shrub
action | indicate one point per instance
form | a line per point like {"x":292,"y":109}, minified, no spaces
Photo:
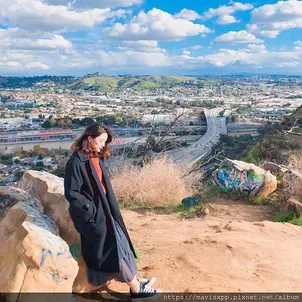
{"x":295,"y":161}
{"x":159,"y":183}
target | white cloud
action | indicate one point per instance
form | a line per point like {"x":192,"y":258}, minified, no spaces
{"x":226,"y":19}
{"x":269,"y":20}
{"x":141,"y":45}
{"x":298,"y":43}
{"x":227,"y":9}
{"x":196,"y":47}
{"x":257,"y":48}
{"x":279,"y":12}
{"x":226,"y":57}
{"x":131,"y":59}
{"x":14,"y":38}
{"x":18,"y":61}
{"x":254,"y":56}
{"x":95,"y":3}
{"x":186,"y":53}
{"x":288,"y":64}
{"x":251,"y":57}
{"x":33,"y":14}
{"x":298,"y":46}
{"x":256,"y":29}
{"x":187,"y":14}
{"x":156,"y":25}
{"x":237,"y":37}
{"x":36,"y":65}
{"x":225,"y":12}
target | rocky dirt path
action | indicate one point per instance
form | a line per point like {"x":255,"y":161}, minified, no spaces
{"x":236,"y":248}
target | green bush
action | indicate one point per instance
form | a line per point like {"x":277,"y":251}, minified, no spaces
{"x":290,"y":218}
{"x":253,"y":156}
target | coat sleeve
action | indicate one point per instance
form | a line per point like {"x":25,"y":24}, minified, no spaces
{"x":73,"y":182}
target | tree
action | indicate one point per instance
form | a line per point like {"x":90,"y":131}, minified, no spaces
{"x":52,"y":122}
{"x":68,"y":123}
{"x":46,"y":124}
{"x":38,"y":150}
{"x":18,"y":174}
{"x":76,"y":122}
{"x":150,"y":142}
{"x":86,"y":121}
{"x":40,"y":164}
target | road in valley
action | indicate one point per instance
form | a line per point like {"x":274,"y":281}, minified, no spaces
{"x":216,"y":125}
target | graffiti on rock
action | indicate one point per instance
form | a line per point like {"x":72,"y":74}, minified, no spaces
{"x":230,"y":178}
{"x":75,"y":250}
{"x":45,"y":253}
{"x":56,"y":277}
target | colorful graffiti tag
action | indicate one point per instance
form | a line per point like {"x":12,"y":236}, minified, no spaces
{"x":230,"y":178}
{"x":75,"y":250}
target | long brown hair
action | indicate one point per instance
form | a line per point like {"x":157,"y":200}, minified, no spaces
{"x":93,"y":130}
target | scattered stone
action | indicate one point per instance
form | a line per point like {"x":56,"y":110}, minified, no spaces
{"x":293,"y":206}
{"x":274,"y":168}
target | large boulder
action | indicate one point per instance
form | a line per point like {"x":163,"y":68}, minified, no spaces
{"x":33,"y":258}
{"x":49,"y":190}
{"x":245,"y":178}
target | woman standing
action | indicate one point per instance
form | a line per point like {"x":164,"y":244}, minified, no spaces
{"x":106,"y":246}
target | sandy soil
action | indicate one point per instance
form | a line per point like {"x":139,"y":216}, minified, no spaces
{"x":233,"y":249}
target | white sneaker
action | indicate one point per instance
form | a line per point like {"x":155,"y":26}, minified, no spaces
{"x":148,"y":282}
{"x":145,"y":293}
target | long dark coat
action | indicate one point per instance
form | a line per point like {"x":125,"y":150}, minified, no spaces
{"x":92,"y":212}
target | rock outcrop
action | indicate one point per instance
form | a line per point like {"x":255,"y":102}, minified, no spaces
{"x":245,"y":178}
{"x":33,"y":258}
{"x":49,"y":190}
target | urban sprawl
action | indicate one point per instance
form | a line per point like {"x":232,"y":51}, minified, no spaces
{"x":41,"y":117}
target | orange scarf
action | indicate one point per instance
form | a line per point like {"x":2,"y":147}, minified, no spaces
{"x":96,"y":164}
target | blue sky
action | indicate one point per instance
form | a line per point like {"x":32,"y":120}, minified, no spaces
{"x":76,"y":37}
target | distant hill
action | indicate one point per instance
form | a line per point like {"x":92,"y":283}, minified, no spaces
{"x":31,"y":82}
{"x":109,"y":84}
{"x":100,"y":83}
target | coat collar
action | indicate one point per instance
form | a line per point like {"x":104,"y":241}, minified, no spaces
{"x":82,"y":156}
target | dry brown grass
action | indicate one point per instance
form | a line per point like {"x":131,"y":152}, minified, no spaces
{"x":159,"y":183}
{"x":295,"y":161}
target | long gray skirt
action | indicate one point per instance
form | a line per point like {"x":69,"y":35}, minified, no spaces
{"x":128,"y":267}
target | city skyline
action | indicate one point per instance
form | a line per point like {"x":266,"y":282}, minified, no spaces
{"x":61,"y":37}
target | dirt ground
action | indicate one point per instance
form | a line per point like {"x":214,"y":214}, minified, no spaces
{"x":235,"y":248}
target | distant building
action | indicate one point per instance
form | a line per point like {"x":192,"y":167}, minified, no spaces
{"x":157,"y":118}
